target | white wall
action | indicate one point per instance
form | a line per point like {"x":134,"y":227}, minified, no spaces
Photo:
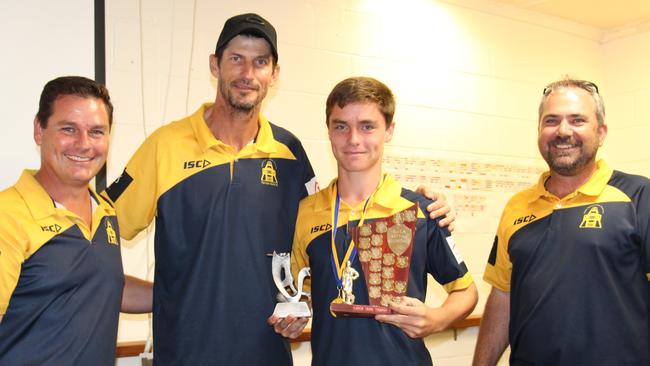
{"x":468,"y":76}
{"x":628,"y":100}
{"x":40,"y":40}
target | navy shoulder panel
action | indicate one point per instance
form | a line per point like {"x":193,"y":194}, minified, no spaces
{"x":634,"y":186}
{"x":412,"y":196}
{"x":282,"y":135}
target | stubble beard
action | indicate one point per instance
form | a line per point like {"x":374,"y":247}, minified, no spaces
{"x":559,"y":164}
{"x":237,"y":105}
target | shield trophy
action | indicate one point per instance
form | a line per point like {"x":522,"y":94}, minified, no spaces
{"x":289,"y":304}
{"x":384,"y":248}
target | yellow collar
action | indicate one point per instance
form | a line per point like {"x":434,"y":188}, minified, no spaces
{"x":387,"y":193}
{"x":39,"y":202}
{"x":264,"y":141}
{"x":593,"y":187}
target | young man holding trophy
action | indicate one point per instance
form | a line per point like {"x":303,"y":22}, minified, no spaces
{"x":370,"y":246}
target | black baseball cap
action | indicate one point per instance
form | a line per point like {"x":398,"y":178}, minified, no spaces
{"x":248,"y":23}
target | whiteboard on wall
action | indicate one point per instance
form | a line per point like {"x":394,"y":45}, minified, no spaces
{"x":40,"y":40}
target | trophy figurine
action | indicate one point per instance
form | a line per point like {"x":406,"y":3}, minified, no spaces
{"x":288,"y":304}
{"x":384,"y":249}
{"x":349,"y":275}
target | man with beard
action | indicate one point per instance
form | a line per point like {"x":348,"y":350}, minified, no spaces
{"x":224,"y":186}
{"x":571,"y":259}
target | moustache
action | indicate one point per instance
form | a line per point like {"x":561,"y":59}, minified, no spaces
{"x":564,"y":141}
{"x":246,"y":83}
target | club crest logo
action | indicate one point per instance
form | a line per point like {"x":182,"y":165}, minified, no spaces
{"x":111,"y":236}
{"x":269,"y":173}
{"x":593,"y":217}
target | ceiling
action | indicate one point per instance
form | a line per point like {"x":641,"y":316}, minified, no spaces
{"x":602,"y":14}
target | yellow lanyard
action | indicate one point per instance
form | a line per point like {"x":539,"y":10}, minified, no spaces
{"x":351,"y":252}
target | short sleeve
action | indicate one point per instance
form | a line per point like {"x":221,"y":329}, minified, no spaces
{"x":134,"y":193}
{"x":498,"y":271}
{"x":444,"y":260}
{"x":13,"y":246}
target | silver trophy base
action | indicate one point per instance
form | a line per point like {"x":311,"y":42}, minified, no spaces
{"x":295,"y":309}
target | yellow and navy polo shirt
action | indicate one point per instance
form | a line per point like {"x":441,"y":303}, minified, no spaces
{"x":218,"y":214}
{"x":60,"y":281}
{"x":365,"y":341}
{"x":577,"y":269}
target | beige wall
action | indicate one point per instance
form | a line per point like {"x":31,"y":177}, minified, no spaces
{"x":46,"y":28}
{"x":467,"y":75}
{"x":626,"y":65}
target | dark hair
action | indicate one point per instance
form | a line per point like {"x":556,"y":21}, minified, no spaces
{"x":71,"y":85}
{"x":362,"y":90}
{"x":219,"y":51}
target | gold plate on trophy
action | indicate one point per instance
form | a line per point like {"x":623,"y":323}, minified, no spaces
{"x":400,"y":287}
{"x":389,"y":259}
{"x":365,"y":230}
{"x":410,"y":215}
{"x":403,"y":261}
{"x":363,"y":243}
{"x":375,"y":266}
{"x":399,"y":238}
{"x":364,"y":256}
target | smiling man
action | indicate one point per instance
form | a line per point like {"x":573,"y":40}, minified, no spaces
{"x":571,"y":260}
{"x":223,"y":185}
{"x":61,"y":279}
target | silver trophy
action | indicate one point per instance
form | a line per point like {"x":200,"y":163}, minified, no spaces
{"x":289,"y":304}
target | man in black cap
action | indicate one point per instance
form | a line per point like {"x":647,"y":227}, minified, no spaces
{"x":224,"y":186}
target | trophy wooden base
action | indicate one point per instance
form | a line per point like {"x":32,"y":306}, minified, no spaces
{"x":295,"y":309}
{"x":359,"y":311}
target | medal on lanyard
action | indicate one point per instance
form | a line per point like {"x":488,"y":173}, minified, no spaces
{"x":343,"y":271}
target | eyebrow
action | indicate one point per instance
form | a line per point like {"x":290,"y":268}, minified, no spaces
{"x":233,"y":53}
{"x":363,"y":121}
{"x":572,"y":115}
{"x":67,"y":123}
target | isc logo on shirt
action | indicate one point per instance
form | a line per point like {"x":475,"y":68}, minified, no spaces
{"x":51,"y":228}
{"x":196,"y":164}
{"x":523,"y":219}
{"x":318,"y":228}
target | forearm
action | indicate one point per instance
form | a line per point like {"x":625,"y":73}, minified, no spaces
{"x":137,"y":296}
{"x":458,"y":305}
{"x":493,"y":333}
